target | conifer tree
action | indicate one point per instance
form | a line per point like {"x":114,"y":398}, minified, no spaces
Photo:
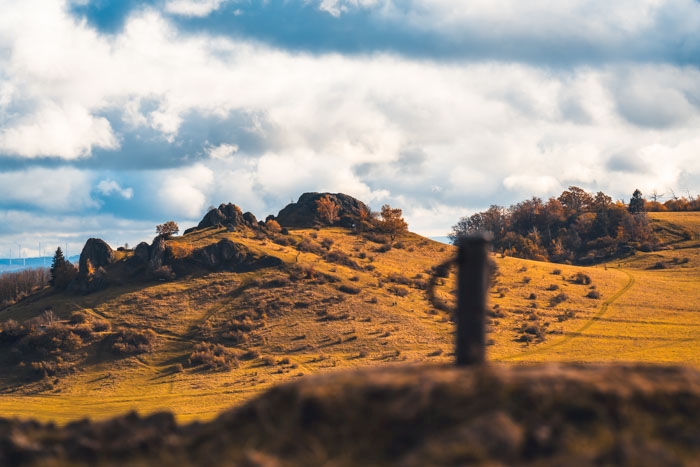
{"x":62,"y":271}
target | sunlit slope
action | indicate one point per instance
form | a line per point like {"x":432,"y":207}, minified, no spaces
{"x":363,"y":306}
{"x":653,"y":315}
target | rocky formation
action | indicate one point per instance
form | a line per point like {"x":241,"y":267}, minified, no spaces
{"x":227,"y":215}
{"x":304,"y":214}
{"x":229,"y":256}
{"x":96,"y":256}
{"x":157,"y":260}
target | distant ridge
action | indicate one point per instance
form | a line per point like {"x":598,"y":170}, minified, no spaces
{"x":19,"y":264}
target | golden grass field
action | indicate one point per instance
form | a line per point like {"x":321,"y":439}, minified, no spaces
{"x":645,"y":313}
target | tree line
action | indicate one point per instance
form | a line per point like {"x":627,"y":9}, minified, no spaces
{"x":575,"y":227}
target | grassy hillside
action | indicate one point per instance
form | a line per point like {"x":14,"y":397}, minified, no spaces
{"x":342,"y":300}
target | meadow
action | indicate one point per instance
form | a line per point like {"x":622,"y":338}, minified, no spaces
{"x":346,"y":301}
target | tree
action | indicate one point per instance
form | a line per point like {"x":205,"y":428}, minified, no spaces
{"x":327,"y":210}
{"x":392,"y":222}
{"x":167,"y":229}
{"x":62,"y":271}
{"x":636,"y":205}
{"x":576,"y":199}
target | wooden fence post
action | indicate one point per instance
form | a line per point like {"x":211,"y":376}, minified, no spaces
{"x":472,"y":283}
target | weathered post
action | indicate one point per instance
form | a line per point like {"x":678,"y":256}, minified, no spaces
{"x":472,"y":285}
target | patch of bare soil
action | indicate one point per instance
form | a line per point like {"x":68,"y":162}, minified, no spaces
{"x":409,"y":416}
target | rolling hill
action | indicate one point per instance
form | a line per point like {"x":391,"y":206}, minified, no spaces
{"x":200,"y":339}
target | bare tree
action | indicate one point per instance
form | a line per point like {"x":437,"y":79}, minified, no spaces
{"x":327,"y":210}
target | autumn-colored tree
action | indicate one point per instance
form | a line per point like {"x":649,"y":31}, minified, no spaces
{"x":365,"y":216}
{"x":167,"y":229}
{"x":576,"y":199}
{"x":327,"y":210}
{"x":392,"y":222}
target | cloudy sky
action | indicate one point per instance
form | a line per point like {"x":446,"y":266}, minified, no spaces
{"x":119,"y":115}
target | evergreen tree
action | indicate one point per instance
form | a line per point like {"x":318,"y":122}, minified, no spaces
{"x":636,"y":205}
{"x":62,"y":271}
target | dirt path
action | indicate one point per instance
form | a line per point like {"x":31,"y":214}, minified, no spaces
{"x":579,"y":332}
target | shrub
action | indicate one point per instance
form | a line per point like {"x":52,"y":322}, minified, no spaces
{"x":593,"y":294}
{"x":556,"y":271}
{"x":213,"y":357}
{"x":557,"y":299}
{"x":398,"y":290}
{"x":128,"y":341}
{"x":398,"y":279}
{"x":327,"y":243}
{"x":581,"y":278}
{"x":383,"y":248}
{"x":553,"y":287}
{"x":349,"y":289}
{"x":338,"y":257}
{"x":78,"y":317}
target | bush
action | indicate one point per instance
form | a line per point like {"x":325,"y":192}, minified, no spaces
{"x":398,"y":279}
{"x":397,"y":290}
{"x":349,"y":289}
{"x":593,"y":294}
{"x":557,"y":299}
{"x":383,"y":248}
{"x":338,"y":257}
{"x":581,"y":278}
{"x":213,"y":357}
{"x":129,"y":341}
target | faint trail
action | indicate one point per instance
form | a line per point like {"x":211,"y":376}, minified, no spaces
{"x":577,"y":333}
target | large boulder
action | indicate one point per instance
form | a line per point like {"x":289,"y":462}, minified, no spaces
{"x":94,"y":258}
{"x":96,"y":254}
{"x":227,"y":215}
{"x":304,"y":213}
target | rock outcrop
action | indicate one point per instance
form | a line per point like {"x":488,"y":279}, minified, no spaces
{"x":304,"y":213}
{"x":96,"y":256}
{"x":229,"y":256}
{"x":227,"y":215}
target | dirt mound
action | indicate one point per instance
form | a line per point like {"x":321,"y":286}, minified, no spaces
{"x":408,"y":415}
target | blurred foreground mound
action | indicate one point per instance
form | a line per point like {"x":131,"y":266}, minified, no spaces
{"x":407,"y":415}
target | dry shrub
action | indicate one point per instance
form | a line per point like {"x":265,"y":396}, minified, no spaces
{"x":214,"y":357}
{"x":581,"y":278}
{"x":132,"y":341}
{"x":309,"y":246}
{"x":338,"y":257}
{"x":383,"y":248}
{"x":594,"y":294}
{"x":348,"y":289}
{"x":553,"y":287}
{"x":557,"y":299}
{"x":397,"y":290}
{"x":398,"y":279}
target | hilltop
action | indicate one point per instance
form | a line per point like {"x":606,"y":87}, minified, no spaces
{"x":198,"y":322}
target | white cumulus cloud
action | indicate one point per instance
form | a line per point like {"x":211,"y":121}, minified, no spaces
{"x":110,"y":187}
{"x":197,"y":8}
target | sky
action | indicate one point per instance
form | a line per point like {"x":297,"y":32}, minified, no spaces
{"x":116,"y":116}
